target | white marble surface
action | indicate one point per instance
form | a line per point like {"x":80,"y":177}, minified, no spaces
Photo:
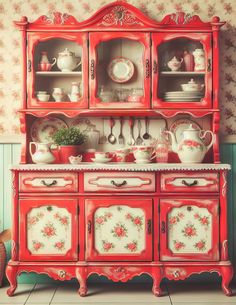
{"x":87,"y":166}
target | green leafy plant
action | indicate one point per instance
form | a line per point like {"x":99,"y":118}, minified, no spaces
{"x":69,"y":136}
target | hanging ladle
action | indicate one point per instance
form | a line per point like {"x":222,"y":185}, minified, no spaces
{"x":111,"y":138}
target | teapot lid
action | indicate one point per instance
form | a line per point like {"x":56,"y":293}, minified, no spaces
{"x":174,"y":59}
{"x":66,"y":52}
{"x":190,"y":128}
{"x":192,"y":81}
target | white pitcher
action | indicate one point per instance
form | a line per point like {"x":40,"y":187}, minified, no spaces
{"x":42,"y":154}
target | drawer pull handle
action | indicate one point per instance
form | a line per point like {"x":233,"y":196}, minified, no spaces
{"x":118,"y":184}
{"x":189,"y":184}
{"x":89,"y":226}
{"x":163,"y":227}
{"x":54,"y":182}
{"x":149,"y":226}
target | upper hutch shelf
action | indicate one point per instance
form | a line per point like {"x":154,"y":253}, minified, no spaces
{"x":120,"y":59}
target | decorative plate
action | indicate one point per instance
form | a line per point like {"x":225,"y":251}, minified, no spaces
{"x":81,"y":123}
{"x":178,"y":126}
{"x":43,"y":129}
{"x":120,"y":70}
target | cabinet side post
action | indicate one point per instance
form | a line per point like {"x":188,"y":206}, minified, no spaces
{"x":15,"y":223}
{"x":223,"y":217}
{"x":215,"y":129}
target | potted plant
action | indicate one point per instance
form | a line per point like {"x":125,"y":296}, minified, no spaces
{"x":68,"y":139}
{"x":4,"y":237}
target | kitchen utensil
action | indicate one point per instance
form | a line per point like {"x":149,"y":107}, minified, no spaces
{"x":42,"y":153}
{"x":120,"y":69}
{"x":67,"y":61}
{"x":111,"y":138}
{"x":139,"y":139}
{"x":174,"y":64}
{"x":146,"y":135}
{"x":131,"y":140}
{"x":121,"y":138}
{"x":103,"y":138}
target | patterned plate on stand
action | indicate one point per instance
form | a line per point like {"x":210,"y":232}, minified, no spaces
{"x":43,"y":129}
{"x":120,"y":70}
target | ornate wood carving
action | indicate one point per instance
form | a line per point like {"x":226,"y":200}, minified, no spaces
{"x":56,"y":18}
{"x":181,"y":18}
{"x":120,"y":16}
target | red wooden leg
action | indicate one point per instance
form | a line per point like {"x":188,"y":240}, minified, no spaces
{"x":81,"y":275}
{"x":156,"y":289}
{"x":227,"y":275}
{"x":11,"y":273}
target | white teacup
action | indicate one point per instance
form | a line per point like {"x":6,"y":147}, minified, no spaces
{"x":99,"y":155}
{"x":144,"y":153}
{"x":75,"y":159}
{"x":43,"y":97}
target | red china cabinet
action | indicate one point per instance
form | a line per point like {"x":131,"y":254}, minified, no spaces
{"x":146,"y":95}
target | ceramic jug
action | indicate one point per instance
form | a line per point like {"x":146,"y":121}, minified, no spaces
{"x":75,"y":92}
{"x":191,"y":148}
{"x":42,"y":154}
{"x":199,"y":60}
{"x":67,"y":61}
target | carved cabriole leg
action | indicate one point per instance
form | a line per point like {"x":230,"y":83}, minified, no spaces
{"x":11,"y":273}
{"x":227,"y":275}
{"x":156,"y":275}
{"x":81,"y":275}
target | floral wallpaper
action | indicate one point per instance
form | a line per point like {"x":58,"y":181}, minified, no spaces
{"x":10,"y":48}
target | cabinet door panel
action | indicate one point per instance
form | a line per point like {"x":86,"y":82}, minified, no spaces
{"x":45,"y":81}
{"x":189,"y":229}
{"x":119,"y":229}
{"x":48,"y":229}
{"x":167,"y":88}
{"x":120,"y":74}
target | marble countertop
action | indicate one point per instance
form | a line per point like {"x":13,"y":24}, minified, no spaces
{"x":151,"y":167}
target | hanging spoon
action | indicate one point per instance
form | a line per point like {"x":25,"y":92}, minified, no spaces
{"x":146,"y":135}
{"x":103,"y":138}
{"x":111,"y":138}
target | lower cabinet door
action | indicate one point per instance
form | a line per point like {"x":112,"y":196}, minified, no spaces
{"x":119,"y":229}
{"x":189,"y":229}
{"x":48,"y":229}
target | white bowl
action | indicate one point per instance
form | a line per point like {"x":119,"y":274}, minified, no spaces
{"x":43,"y":97}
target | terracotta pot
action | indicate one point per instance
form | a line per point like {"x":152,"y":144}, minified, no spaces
{"x":66,"y":151}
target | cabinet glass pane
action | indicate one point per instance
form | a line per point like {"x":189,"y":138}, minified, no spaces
{"x":66,"y":70}
{"x":181,"y":71}
{"x":190,"y":230}
{"x":119,"y":229}
{"x":49,"y":230}
{"x":120,"y":71}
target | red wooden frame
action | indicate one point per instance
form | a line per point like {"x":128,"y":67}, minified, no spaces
{"x":212,"y":205}
{"x":95,"y":39}
{"x":25,"y":205}
{"x":36,"y":38}
{"x":91,"y":204}
{"x":206,"y":40}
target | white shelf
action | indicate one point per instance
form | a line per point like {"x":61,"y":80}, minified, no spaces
{"x":58,"y":73}
{"x":173,"y":73}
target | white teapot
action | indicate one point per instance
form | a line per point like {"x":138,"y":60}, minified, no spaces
{"x":67,"y":61}
{"x":191,"y":148}
{"x":174,"y":64}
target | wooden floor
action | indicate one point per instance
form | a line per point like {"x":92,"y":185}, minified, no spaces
{"x":118,"y":294}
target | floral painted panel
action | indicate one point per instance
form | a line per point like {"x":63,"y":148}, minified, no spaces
{"x":49,"y":230}
{"x":189,"y":230}
{"x":119,"y":229}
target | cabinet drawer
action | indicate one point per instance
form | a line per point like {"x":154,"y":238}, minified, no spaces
{"x":48,"y":182}
{"x":189,"y":182}
{"x":119,"y":182}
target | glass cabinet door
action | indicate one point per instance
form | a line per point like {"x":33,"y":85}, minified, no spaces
{"x":119,"y":229}
{"x":57,"y":70}
{"x":189,"y":229}
{"x":119,"y":70}
{"x":48,"y":229}
{"x":182,"y":70}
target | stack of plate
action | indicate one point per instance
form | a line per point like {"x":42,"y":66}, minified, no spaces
{"x":182,"y":96}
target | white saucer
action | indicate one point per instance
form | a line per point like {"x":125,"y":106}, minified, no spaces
{"x":142,"y":161}
{"x":104,"y":160}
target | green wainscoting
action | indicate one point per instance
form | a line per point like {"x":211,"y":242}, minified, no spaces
{"x":9,"y":154}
